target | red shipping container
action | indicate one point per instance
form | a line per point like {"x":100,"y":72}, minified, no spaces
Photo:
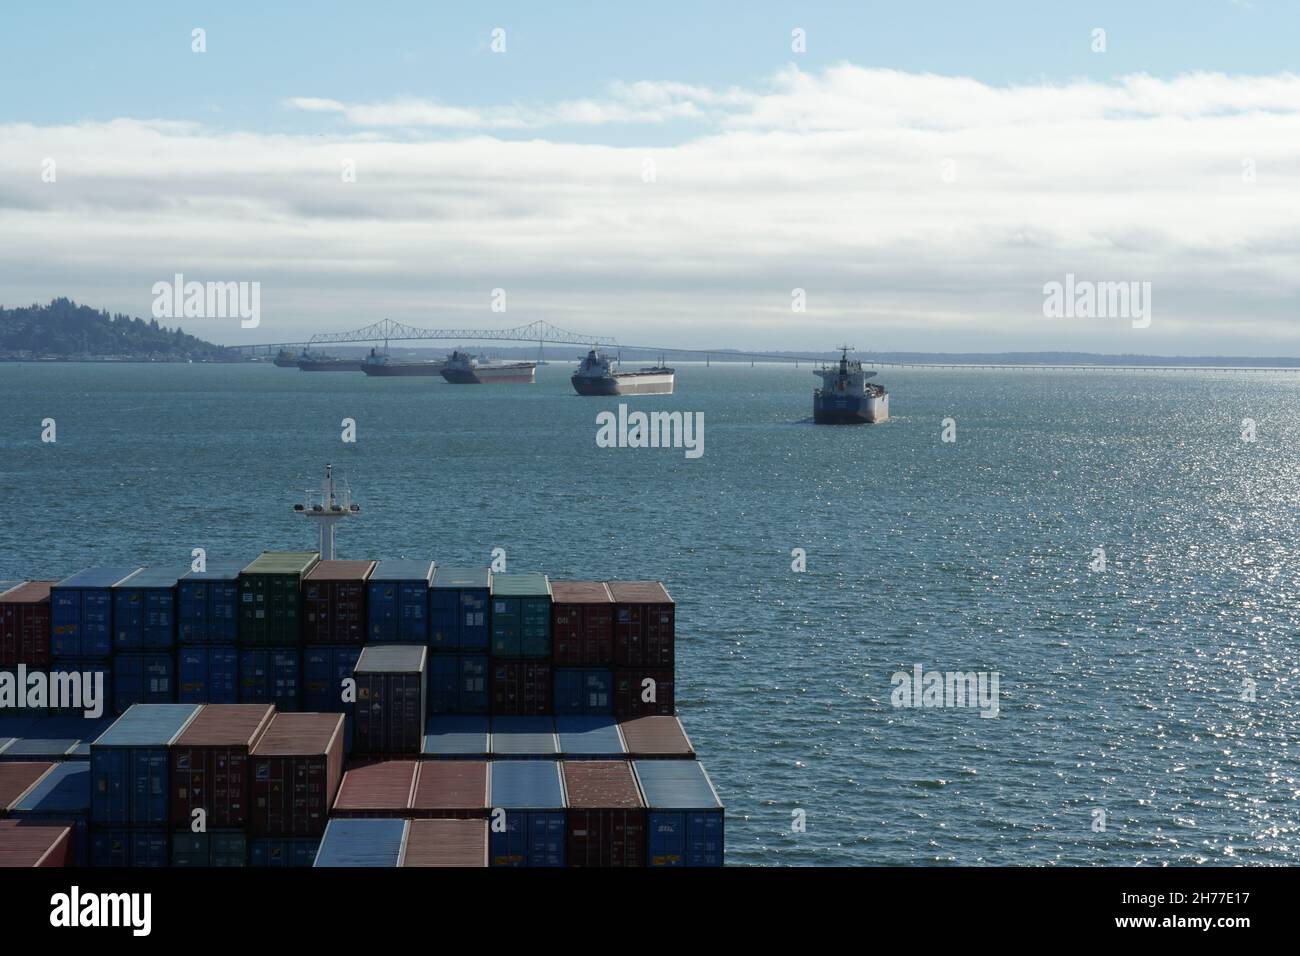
{"x":17,"y":778}
{"x":521,"y":688}
{"x":606,"y":820}
{"x":380,"y":788}
{"x":25,"y":844}
{"x":644,"y":624}
{"x":296,"y":769}
{"x":448,"y":789}
{"x":446,"y":843}
{"x":25,"y":625}
{"x":631,"y":691}
{"x":582,"y":624}
{"x":210,"y":765}
{"x":656,"y":737}
{"x":334,"y":602}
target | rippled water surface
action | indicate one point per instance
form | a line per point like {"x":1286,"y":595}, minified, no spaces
{"x":1123,"y":691}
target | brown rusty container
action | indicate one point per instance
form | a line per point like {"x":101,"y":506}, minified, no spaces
{"x":656,"y":737}
{"x":606,"y":819}
{"x":296,"y":768}
{"x":16,"y":778}
{"x":582,"y":624}
{"x":380,"y":788}
{"x":25,"y":844}
{"x":644,"y":624}
{"x":210,"y":765}
{"x":334,"y":602}
{"x":446,"y":843}
{"x":451,"y":789}
{"x":25,"y":625}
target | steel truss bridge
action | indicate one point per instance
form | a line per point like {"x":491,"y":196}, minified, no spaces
{"x":544,"y":333}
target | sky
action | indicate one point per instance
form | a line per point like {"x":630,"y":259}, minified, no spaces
{"x":912,"y":176}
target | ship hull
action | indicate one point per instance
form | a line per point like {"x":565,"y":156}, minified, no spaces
{"x":285,"y":363}
{"x":403,"y":370}
{"x":850,"y":409}
{"x":343,"y":365}
{"x":525,"y":375}
{"x":623,"y":385}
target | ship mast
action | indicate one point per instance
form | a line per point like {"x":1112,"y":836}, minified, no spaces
{"x":334,"y":505}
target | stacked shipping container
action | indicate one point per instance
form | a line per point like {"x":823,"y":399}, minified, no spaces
{"x":459,"y":665}
{"x":579,"y":671}
{"x":296,"y":768}
{"x":130,"y":785}
{"x":390,"y":708}
{"x":25,"y":625}
{"x":398,"y":602}
{"x":644,"y":649}
{"x":270,"y":627}
{"x":207,"y":652}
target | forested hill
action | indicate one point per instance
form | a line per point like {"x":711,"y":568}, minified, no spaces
{"x":64,"y":329}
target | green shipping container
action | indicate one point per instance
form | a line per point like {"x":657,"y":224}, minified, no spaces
{"x":270,"y":597}
{"x":521,"y":615}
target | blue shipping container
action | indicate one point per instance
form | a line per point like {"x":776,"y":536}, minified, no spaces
{"x":583,"y":690}
{"x":362,"y":843}
{"x":459,"y":683}
{"x":589,"y":738}
{"x":458,"y":610}
{"x":144,"y":611}
{"x":269,"y":675}
{"x":55,"y":738}
{"x":283,"y":851}
{"x":81,"y":613}
{"x":457,"y":735}
{"x":63,"y":794}
{"x":399,"y":602}
{"x":128,"y":848}
{"x":531,"y":793}
{"x":93,"y":677}
{"x":142,"y":679}
{"x":685,"y":821}
{"x":324,"y":669}
{"x":524,"y":737}
{"x":207,"y":675}
{"x":208,"y":604}
{"x":129,"y":766}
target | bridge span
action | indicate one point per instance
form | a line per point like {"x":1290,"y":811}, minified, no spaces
{"x":544,"y":333}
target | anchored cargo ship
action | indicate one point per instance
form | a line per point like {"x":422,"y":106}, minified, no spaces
{"x":285,"y":359}
{"x":381,"y":363}
{"x":465,"y":369}
{"x":327,"y":363}
{"x":597,"y":375}
{"x":846,"y":398}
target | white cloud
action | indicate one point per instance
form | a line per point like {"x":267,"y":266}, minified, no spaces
{"x":833,"y":182}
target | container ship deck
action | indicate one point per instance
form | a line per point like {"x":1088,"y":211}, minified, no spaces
{"x":417,"y":699}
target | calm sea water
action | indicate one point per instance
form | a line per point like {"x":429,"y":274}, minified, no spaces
{"x":1121,"y":691}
